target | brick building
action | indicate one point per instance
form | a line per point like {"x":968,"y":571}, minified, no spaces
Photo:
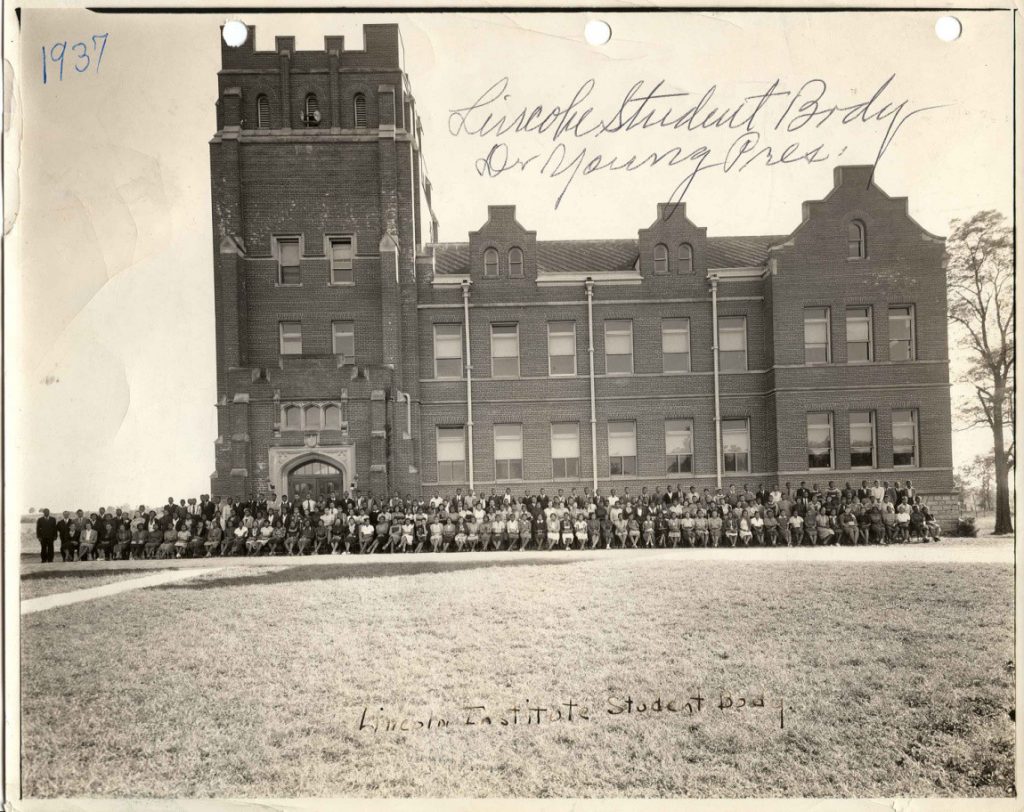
{"x":354,"y":350}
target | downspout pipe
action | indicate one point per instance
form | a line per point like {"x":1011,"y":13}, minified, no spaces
{"x":469,"y":381}
{"x":593,"y":399}
{"x":718,"y":404}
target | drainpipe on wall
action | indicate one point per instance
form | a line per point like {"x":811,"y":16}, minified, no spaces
{"x":718,"y":408}
{"x":469,"y":381}
{"x":593,"y":401}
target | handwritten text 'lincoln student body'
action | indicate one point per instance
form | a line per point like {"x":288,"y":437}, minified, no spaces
{"x":770,"y":126}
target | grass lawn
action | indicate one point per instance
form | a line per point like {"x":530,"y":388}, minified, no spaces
{"x":896,"y":679}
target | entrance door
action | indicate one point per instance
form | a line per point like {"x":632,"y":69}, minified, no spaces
{"x":316,"y":479}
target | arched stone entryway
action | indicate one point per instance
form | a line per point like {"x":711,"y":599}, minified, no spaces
{"x":317,"y":479}
{"x":320,"y":469}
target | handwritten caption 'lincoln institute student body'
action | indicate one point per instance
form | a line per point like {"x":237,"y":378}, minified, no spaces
{"x":585,"y":134}
{"x":379,"y":720}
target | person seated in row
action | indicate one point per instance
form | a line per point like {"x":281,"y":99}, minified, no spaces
{"x":715,"y":525}
{"x":746,"y":534}
{"x":731,"y":528}
{"x":87,"y":542}
{"x":796,"y":530}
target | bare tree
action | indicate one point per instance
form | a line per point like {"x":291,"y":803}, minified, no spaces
{"x":979,"y":269}
{"x":977,"y":478}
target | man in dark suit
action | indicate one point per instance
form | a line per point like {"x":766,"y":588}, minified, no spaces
{"x":207,"y":509}
{"x":66,"y":529}
{"x":46,"y":532}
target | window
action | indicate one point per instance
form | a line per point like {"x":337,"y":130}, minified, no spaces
{"x":359,"y":108}
{"x":660,"y":259}
{"x":312,"y":116}
{"x":675,"y":345}
{"x":565,"y":450}
{"x":341,"y":262}
{"x":508,"y":451}
{"x":618,"y":347}
{"x":904,"y":438}
{"x":901,"y":333}
{"x":858,"y":335}
{"x":856,"y":240}
{"x":262,"y":112}
{"x":448,"y":350}
{"x":819,"y":440}
{"x":451,"y":454}
{"x":862,"y":439}
{"x":735,"y":446}
{"x":679,"y":446}
{"x":561,"y":348}
{"x":817,"y":333}
{"x":732,"y":343}
{"x":490,"y":262}
{"x":504,"y":350}
{"x":288,"y":261}
{"x":291,"y":337}
{"x":685,"y":258}
{"x":344,"y":340}
{"x":312,"y":416}
{"x":515,"y":263}
{"x":622,"y":448}
{"x":332,"y":417}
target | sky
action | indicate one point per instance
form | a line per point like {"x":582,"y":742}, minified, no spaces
{"x":109,"y":307}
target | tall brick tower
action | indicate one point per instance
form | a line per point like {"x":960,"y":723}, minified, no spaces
{"x":320,"y":206}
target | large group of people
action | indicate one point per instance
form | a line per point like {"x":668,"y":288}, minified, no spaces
{"x":880,"y":513}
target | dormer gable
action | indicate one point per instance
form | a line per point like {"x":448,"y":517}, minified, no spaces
{"x":501,"y":248}
{"x":858,"y":221}
{"x":672,"y":246}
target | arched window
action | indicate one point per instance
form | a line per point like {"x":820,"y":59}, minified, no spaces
{"x":292,"y":417}
{"x":332,"y":417}
{"x":660,"y":259}
{"x":490,"y":262}
{"x":856,"y":240}
{"x":515,"y":263}
{"x":312,"y":116}
{"x":685,"y":258}
{"x":262,"y":112}
{"x":359,"y":108}
{"x":312,"y":417}
{"x":315,"y":468}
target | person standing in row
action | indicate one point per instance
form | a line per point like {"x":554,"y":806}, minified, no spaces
{"x":46,"y":534}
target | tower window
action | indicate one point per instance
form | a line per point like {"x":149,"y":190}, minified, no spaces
{"x":313,"y":417}
{"x":344,"y":340}
{"x":856,"y":240}
{"x":291,"y":337}
{"x":359,"y":109}
{"x":262,"y":112}
{"x":341,"y":261}
{"x":332,"y":417}
{"x":312,"y":116}
{"x":288,"y":270}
